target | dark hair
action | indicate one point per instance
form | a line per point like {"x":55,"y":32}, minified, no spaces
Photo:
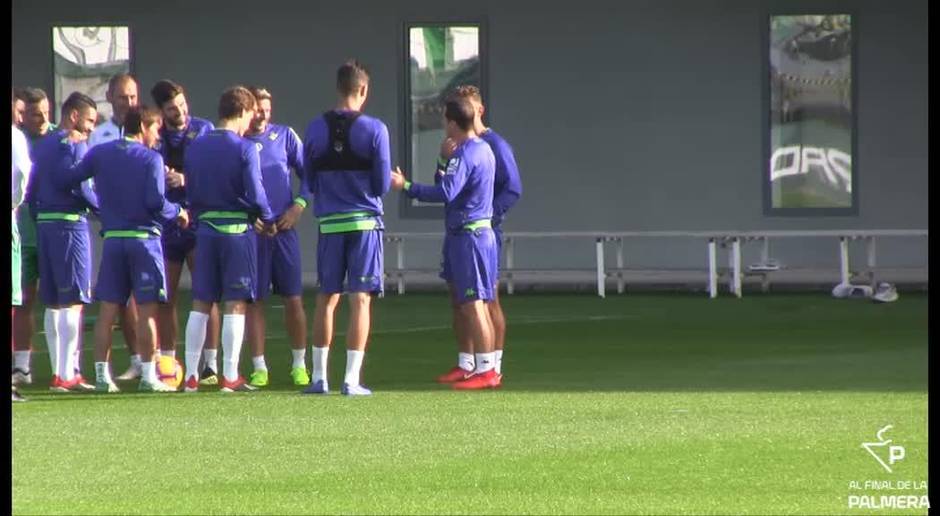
{"x":164,"y":91}
{"x":119,"y":79}
{"x":235,"y":100}
{"x":260,"y":93}
{"x":33,"y":95}
{"x":467,"y":91}
{"x":350,"y":77}
{"x":460,"y":111}
{"x":75,"y":102}
{"x":19,"y":94}
{"x":140,"y":115}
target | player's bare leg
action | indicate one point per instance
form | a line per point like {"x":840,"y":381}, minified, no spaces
{"x":168,"y":322}
{"x":255,"y":328}
{"x":107,"y":315}
{"x":147,"y":317}
{"x":357,"y":336}
{"x":23,"y":331}
{"x":465,"y":361}
{"x":477,"y":319}
{"x":128,"y":320}
{"x":498,"y":320}
{"x":296,"y":321}
{"x":323,"y":313}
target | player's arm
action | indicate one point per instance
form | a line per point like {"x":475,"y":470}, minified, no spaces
{"x":87,"y":188}
{"x":449,"y":187}
{"x":510,"y":194}
{"x":22,"y":166}
{"x":295,"y":160}
{"x":154,"y":192}
{"x":254,"y":189}
{"x":381,"y":178}
{"x":80,"y":171}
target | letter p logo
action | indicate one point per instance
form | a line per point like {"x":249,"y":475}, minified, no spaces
{"x":895,"y":453}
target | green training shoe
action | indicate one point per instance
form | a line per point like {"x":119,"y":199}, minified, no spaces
{"x":258,"y":379}
{"x":157,"y":386}
{"x":299,"y":374}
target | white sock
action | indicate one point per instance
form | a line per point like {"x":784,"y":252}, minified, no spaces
{"x":69,"y":326}
{"x":77,"y":354}
{"x":465,"y":361}
{"x":195,"y":336}
{"x":233,"y":334}
{"x":353,"y":366}
{"x":211,"y":359}
{"x":21,"y":360}
{"x":135,"y":361}
{"x":148,"y":372}
{"x":319,"y":363}
{"x":300,"y":357}
{"x":102,"y":373}
{"x":172,"y":352}
{"x":258,"y":363}
{"x":50,"y":323}
{"x":485,"y":362}
{"x":499,"y":361}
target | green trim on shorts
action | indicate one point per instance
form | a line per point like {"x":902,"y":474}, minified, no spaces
{"x":51,"y":216}
{"x":130,"y":233}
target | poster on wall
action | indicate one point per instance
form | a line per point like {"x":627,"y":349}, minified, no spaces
{"x":84,"y":59}
{"x":811,"y":113}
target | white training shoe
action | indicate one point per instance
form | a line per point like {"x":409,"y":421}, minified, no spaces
{"x":132,"y":373}
{"x":21,"y":377}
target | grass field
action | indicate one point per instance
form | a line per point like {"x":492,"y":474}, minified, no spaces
{"x":642,"y":403}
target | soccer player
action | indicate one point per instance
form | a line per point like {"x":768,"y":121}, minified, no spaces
{"x":279,"y":263}
{"x":347,"y":165}
{"x":470,"y":259}
{"x":21,"y":169}
{"x":507,"y":189}
{"x":129,"y":181}
{"x":224,"y":191}
{"x":122,"y":94}
{"x":35,"y":123}
{"x":63,"y":237}
{"x":178,"y":132}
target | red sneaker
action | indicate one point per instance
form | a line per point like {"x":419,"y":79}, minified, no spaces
{"x":239,"y":385}
{"x":456,"y":374}
{"x":60,"y":385}
{"x":192,"y":385}
{"x":80,"y":385}
{"x":487,"y":380}
{"x":499,"y":381}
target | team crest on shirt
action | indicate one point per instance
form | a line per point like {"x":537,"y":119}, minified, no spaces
{"x":272,"y":136}
{"x":452,"y":165}
{"x":191,"y":134}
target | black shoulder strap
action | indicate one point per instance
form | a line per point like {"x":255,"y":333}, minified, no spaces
{"x":339,"y":155}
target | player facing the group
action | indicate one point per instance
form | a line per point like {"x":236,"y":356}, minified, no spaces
{"x":225,"y":194}
{"x":20,"y":177}
{"x":63,"y":237}
{"x":279,"y":259}
{"x":347,"y":166}
{"x":129,"y":181}
{"x":469,"y":252}
{"x":179,"y":131}
{"x":507,"y":189}
{"x":122,"y":95}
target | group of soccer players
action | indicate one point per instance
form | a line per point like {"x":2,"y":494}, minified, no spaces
{"x":170,"y":188}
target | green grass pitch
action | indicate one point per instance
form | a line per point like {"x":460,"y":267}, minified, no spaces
{"x":635,"y":404}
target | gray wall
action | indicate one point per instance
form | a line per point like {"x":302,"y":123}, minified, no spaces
{"x":639,"y":115}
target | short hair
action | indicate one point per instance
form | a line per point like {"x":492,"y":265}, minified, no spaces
{"x":19,"y":94}
{"x":467,"y":91}
{"x":119,"y":79}
{"x":34,"y":95}
{"x":164,"y":91}
{"x":140,"y":115}
{"x":460,"y":111}
{"x":351,"y":76}
{"x":235,"y":100}
{"x":260,"y":93}
{"x":76,"y":101}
